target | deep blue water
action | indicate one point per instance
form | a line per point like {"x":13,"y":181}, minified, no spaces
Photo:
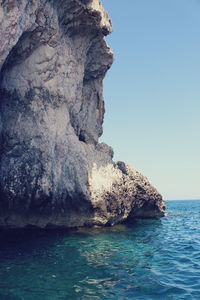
{"x":150,"y":259}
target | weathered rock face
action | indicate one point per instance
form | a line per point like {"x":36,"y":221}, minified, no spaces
{"x":53,"y":171}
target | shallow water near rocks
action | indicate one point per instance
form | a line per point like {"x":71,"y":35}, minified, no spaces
{"x":149,"y":259}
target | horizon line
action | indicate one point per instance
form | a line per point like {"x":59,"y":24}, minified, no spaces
{"x":179,"y":199}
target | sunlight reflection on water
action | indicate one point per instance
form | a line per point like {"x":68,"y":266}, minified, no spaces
{"x":150,"y":259}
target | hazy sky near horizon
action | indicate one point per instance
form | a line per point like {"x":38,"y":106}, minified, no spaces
{"x":152,"y":92}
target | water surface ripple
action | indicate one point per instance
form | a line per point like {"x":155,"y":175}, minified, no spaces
{"x":150,"y":259}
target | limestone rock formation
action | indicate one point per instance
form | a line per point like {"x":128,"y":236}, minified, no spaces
{"x":53,"y":171}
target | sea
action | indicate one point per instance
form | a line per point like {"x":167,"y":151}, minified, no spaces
{"x":148,"y":259}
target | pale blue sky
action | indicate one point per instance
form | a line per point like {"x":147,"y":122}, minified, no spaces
{"x":152,"y":92}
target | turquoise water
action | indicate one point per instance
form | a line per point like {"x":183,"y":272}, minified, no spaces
{"x":150,"y":259}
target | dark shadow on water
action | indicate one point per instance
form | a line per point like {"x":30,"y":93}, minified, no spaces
{"x":138,"y":261}
{"x":16,"y":237}
{"x":88,"y":263}
{"x":9,"y":296}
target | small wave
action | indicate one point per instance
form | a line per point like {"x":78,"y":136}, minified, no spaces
{"x":145,"y":260}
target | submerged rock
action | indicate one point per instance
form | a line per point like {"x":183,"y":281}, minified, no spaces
{"x":53,"y":170}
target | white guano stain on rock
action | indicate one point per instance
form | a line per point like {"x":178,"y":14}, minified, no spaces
{"x":102,"y":180}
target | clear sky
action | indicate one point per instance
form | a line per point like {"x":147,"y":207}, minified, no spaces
{"x":152,"y":92}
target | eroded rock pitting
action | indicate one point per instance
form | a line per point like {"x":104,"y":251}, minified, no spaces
{"x":53,"y":171}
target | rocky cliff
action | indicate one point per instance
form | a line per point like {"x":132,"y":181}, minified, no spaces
{"x":53,"y":171}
